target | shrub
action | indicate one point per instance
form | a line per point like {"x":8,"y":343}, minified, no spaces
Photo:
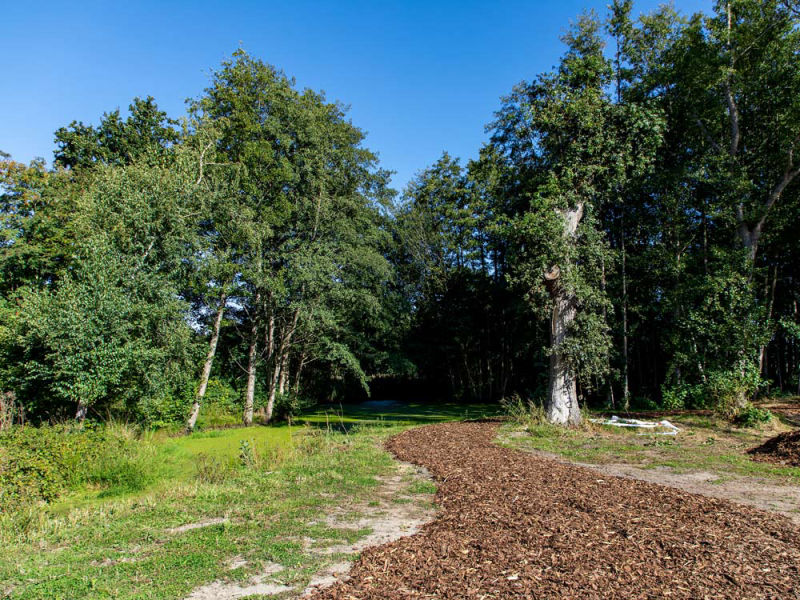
{"x":674,"y":398}
{"x":729,"y":391}
{"x":40,"y":463}
{"x":288,"y":405}
{"x":247,"y":454}
{"x":751,"y":416}
{"x":222,"y":405}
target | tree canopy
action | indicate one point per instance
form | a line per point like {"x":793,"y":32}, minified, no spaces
{"x":625,"y":238}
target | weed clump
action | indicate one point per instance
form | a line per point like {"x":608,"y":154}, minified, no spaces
{"x":528,"y":413}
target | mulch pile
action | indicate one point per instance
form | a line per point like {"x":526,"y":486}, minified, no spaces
{"x":783,"y":449}
{"x":512,"y":525}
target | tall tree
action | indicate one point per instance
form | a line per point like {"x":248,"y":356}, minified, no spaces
{"x":573,"y":148}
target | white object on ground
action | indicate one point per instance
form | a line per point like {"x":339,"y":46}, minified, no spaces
{"x":618,"y":422}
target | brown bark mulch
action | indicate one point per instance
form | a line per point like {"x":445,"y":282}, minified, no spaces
{"x":512,"y":525}
{"x":783,"y":449}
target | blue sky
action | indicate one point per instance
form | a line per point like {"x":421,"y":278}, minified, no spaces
{"x":420,"y":77}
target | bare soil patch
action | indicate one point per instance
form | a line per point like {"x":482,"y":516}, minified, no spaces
{"x":783,"y":449}
{"x":200,"y":525}
{"x":395,"y":511}
{"x":513,"y":525}
{"x":262,"y":584}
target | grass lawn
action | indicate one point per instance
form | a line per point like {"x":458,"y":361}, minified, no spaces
{"x":254,"y":495}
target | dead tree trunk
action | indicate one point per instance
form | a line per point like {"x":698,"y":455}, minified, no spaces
{"x":206,"y":374}
{"x":562,"y":395}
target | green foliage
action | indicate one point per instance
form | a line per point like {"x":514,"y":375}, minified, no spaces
{"x":146,"y":133}
{"x":98,"y":340}
{"x":289,"y":405}
{"x":213,"y":469}
{"x":752,"y":416}
{"x":729,"y":391}
{"x":247,"y":454}
{"x":655,"y":178}
{"x":725,"y":326}
{"x":675,"y":397}
{"x":41,"y":463}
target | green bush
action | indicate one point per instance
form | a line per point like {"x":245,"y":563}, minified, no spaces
{"x":729,"y":391}
{"x":674,"y":398}
{"x":752,"y":416}
{"x":289,"y":405}
{"x":166,"y":410}
{"x":40,"y":463}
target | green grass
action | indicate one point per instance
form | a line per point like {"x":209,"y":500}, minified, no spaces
{"x":344,"y":416}
{"x":92,"y":545}
{"x":704,"y":444}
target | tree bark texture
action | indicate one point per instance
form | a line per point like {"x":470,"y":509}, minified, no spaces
{"x":206,"y":374}
{"x":562,"y":395}
{"x":250,"y":393}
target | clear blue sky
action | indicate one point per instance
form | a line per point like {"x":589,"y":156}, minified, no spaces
{"x":420,"y":77}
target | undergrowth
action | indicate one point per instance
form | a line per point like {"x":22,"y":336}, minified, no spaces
{"x":268,"y":484}
{"x":41,"y":463}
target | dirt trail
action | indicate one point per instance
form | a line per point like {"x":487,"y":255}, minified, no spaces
{"x":512,"y":525}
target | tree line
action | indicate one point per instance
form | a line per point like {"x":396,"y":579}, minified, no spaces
{"x":624,"y":238}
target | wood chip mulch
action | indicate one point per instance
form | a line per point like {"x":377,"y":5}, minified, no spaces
{"x":512,"y":525}
{"x":783,"y":449}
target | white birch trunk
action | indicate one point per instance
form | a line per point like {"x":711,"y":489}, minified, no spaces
{"x":206,"y":374}
{"x":80,"y":413}
{"x":250,"y":392}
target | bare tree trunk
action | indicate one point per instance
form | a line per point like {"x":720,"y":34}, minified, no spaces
{"x":762,"y":350}
{"x":273,"y":387}
{"x":562,"y":394}
{"x":249,"y":398}
{"x":300,"y":365}
{"x":206,"y":374}
{"x":284,"y":374}
{"x":80,"y":413}
{"x":270,"y":337}
{"x":282,"y":356}
{"x":626,"y":393}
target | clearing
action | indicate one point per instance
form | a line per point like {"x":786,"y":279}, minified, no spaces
{"x":230,"y":514}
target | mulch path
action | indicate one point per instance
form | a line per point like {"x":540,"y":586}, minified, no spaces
{"x":783,"y":449}
{"x":512,"y":525}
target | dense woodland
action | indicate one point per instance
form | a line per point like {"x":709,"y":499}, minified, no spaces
{"x":627,"y":237}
